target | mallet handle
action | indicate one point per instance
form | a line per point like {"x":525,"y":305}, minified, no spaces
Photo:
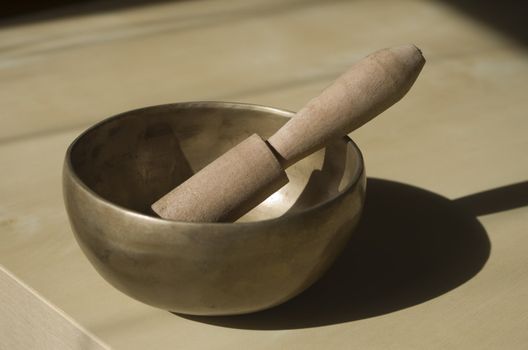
{"x":368,"y":88}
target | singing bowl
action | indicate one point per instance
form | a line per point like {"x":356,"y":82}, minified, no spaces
{"x":116,"y":169}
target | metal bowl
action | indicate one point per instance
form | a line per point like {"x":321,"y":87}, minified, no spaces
{"x":117,"y":168}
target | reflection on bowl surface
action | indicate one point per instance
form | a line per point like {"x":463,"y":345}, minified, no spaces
{"x":115,"y":170}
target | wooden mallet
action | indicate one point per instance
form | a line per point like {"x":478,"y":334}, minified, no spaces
{"x":247,"y":174}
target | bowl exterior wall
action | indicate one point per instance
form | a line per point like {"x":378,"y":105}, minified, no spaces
{"x":210,"y":268}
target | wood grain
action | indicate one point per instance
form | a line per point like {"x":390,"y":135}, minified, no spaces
{"x":30,"y":322}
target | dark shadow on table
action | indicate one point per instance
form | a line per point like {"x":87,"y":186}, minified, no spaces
{"x":508,"y":17}
{"x":21,"y":12}
{"x":411,"y":246}
{"x":496,"y":200}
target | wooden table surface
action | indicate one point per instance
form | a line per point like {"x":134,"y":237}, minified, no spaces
{"x":441,"y":258}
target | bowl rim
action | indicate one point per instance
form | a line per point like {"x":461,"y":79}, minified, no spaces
{"x":358,"y":169}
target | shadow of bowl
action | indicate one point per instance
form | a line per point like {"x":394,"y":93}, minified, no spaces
{"x":411,"y":246}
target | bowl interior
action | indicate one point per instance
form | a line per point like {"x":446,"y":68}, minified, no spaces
{"x":134,"y":158}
